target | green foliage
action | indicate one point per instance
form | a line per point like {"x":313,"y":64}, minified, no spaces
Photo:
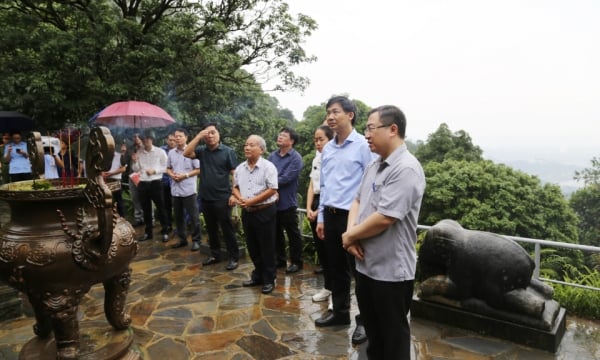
{"x":61,"y":62}
{"x":580,"y":301}
{"x":252,"y":113}
{"x":444,"y":145}
{"x":482,"y":195}
{"x":590,"y":176}
{"x":586,"y":204}
{"x":553,"y":262}
{"x":493,"y":197}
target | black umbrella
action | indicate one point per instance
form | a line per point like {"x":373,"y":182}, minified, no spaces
{"x":14,"y":121}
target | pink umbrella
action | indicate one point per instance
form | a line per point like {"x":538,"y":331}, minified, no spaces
{"x":133,"y":114}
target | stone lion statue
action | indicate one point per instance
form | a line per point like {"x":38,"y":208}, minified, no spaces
{"x":484,"y":273}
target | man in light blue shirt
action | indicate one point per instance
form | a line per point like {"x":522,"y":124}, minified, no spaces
{"x":15,"y":153}
{"x":344,"y":160}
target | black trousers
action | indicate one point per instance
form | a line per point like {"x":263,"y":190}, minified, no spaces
{"x":287,"y":221}
{"x":384,"y":310}
{"x":151,"y":192}
{"x":168,"y":201}
{"x":340,"y":264}
{"x":21,"y":177}
{"x":118,"y":199}
{"x":320,"y":245}
{"x":259,"y":228}
{"x":217,"y":214}
{"x":189,"y":205}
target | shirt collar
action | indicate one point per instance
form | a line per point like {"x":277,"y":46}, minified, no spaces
{"x":394,"y":156}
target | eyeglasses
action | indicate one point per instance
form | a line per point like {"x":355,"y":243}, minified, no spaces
{"x":372,"y":127}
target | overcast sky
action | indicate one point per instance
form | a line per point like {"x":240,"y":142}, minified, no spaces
{"x":517,"y":75}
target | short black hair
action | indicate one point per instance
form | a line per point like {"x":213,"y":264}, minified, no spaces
{"x":149,"y":134}
{"x":184,"y":131}
{"x":209,"y":124}
{"x":293,"y":134}
{"x":390,"y":114}
{"x":346,"y":104}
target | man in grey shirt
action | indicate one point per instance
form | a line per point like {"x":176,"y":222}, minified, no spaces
{"x":183,"y":173}
{"x":381,"y":235}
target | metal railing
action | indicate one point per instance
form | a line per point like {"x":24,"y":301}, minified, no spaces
{"x":536,"y":252}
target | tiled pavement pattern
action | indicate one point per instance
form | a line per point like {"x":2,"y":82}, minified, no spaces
{"x":181,"y":310}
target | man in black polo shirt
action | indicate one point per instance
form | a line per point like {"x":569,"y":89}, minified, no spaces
{"x":217,"y":164}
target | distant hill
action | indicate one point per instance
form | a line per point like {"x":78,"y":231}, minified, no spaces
{"x":553,"y":172}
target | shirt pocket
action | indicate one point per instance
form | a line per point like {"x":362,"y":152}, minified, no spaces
{"x":377,"y":189}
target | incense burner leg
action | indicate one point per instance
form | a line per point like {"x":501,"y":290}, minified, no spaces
{"x":62,"y":308}
{"x":115,"y":296}
{"x":43,"y":322}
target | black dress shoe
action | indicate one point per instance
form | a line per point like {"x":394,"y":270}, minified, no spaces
{"x":330,"y":318}
{"x":251,"y":282}
{"x":293,"y":268}
{"x":146,"y":237}
{"x":319,"y":270}
{"x":211,"y":260}
{"x":179,"y":245}
{"x":232,"y":265}
{"x":267,"y":288}
{"x":196,"y":246}
{"x":359,"y":335}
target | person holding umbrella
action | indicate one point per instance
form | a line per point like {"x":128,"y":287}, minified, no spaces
{"x":151,"y":163}
{"x":15,"y":154}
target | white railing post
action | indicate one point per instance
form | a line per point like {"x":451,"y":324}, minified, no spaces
{"x":536,"y":259}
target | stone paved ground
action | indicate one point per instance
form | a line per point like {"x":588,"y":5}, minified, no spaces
{"x":181,"y":310}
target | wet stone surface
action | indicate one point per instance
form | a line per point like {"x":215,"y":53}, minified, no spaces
{"x":182,"y":310}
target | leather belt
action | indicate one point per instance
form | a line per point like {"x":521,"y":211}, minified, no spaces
{"x":258,"y":207}
{"x":336,"y":211}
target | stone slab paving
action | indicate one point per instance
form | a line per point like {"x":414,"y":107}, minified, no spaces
{"x":181,"y":310}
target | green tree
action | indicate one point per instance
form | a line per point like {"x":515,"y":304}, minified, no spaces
{"x":255,"y":113}
{"x":63,"y":61}
{"x":445,"y":145}
{"x":493,"y":197}
{"x":591,"y":175}
{"x":586,"y":203}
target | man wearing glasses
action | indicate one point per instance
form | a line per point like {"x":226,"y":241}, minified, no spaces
{"x":382,"y":233}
